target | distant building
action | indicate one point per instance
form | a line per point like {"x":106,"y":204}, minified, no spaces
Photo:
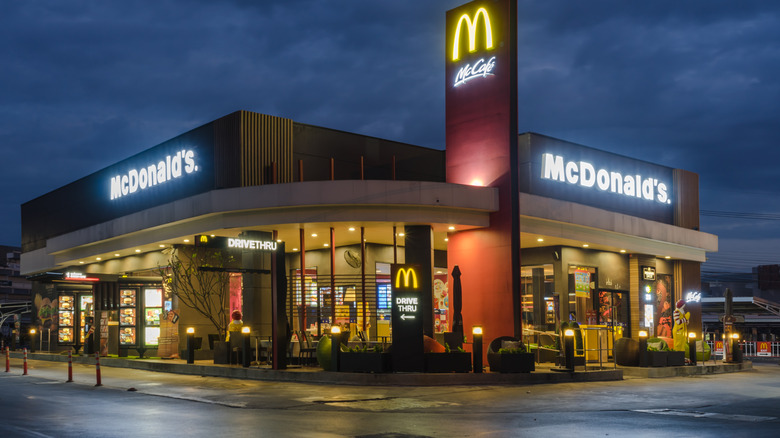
{"x":756,"y":298}
{"x":15,"y":290}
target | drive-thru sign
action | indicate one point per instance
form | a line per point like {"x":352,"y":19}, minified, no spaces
{"x":407,"y":318}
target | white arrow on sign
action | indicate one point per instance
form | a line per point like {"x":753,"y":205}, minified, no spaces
{"x":404,"y":317}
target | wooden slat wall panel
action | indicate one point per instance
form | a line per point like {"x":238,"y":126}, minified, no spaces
{"x":265,"y":140}
{"x":686,"y":199}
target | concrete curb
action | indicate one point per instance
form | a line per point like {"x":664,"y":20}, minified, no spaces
{"x":703,"y":369}
{"x":316,"y":375}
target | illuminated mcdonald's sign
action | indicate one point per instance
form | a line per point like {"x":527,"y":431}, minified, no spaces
{"x":203,"y":239}
{"x":407,"y":274}
{"x":471,"y":27}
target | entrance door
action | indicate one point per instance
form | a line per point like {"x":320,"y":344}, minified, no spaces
{"x":614,"y":311}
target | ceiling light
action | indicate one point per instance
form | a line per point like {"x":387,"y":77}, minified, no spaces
{"x":451,"y":227}
{"x":138,"y":250}
{"x":585,"y":245}
{"x":162,"y":246}
{"x":98,"y":258}
{"x":278,"y":240}
{"x":401,"y":234}
{"x":623,"y":251}
{"x":540,"y":240}
{"x":351,"y":228}
{"x":667,"y":257}
{"x":81,"y":262}
{"x":213,"y":235}
{"x":446,"y":239}
{"x":325,"y":245}
{"x":295,"y":249}
{"x":313,"y":234}
{"x":186,"y":240}
{"x":116,"y":255}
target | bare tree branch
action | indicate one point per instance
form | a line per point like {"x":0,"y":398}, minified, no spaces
{"x":206,"y":292}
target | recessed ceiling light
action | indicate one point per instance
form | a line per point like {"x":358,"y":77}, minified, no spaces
{"x":623,"y":251}
{"x":325,"y":245}
{"x":451,"y":227}
{"x":116,"y":255}
{"x":668,"y":257}
{"x":313,"y":234}
{"x":186,"y":240}
{"x":81,"y":263}
{"x":540,"y":240}
{"x":351,"y":228}
{"x":138,"y":250}
{"x":446,"y":239}
{"x":162,"y":246}
{"x":295,"y":249}
{"x":98,"y":258}
{"x":585,"y":245}
{"x":213,"y":235}
{"x":401,"y":234}
{"x":278,"y":240}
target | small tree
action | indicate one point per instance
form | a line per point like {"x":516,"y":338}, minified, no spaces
{"x":199,"y":279}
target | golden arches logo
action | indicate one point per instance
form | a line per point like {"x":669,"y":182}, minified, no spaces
{"x":204,"y":239}
{"x":471,"y":26}
{"x":407,"y":273}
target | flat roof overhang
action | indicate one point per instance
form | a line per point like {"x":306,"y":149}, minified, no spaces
{"x":570,"y":224}
{"x":286,"y":208}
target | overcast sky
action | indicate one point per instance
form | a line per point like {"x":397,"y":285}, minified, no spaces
{"x":692,"y":85}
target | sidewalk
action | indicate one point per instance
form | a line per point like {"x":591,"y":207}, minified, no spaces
{"x":315,"y":374}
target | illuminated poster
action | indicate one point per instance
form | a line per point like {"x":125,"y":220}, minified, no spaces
{"x":441,"y":304}
{"x":581,"y":283}
{"x":663,"y":318}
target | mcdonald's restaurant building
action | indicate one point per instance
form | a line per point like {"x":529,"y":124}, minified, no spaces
{"x":541,"y":229}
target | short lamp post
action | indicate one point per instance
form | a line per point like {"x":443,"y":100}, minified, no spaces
{"x":642,"y":348}
{"x":190,"y":345}
{"x":692,"y":347}
{"x":476,"y":331}
{"x":245,"y":346}
{"x":568,"y":349}
{"x":335,"y":347}
{"x":32,"y":340}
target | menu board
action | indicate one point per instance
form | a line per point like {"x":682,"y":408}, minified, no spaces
{"x":86,"y":310}
{"x":153,"y":307}
{"x":127,"y":317}
{"x":66,"y":319}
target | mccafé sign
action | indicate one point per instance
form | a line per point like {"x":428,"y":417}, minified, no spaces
{"x":477,"y":68}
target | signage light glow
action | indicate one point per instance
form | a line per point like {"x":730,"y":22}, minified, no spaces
{"x":471,"y":26}
{"x":693,"y":297}
{"x":556,"y":168}
{"x":172,"y":167}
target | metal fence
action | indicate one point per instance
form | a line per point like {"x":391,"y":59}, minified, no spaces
{"x":750,"y":348}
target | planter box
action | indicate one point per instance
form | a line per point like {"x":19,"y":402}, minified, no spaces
{"x":453,"y":362}
{"x":675,"y":358}
{"x":657,"y":358}
{"x":512,"y":362}
{"x":221,"y":352}
{"x":365,"y":362}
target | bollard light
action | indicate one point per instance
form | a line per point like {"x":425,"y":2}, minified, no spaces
{"x":32,"y":340}
{"x":476,"y":355}
{"x":190,"y":345}
{"x":245,"y":349}
{"x":692,"y":347}
{"x":335,"y":348}
{"x":568,"y":349}
{"x":642,"y":348}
